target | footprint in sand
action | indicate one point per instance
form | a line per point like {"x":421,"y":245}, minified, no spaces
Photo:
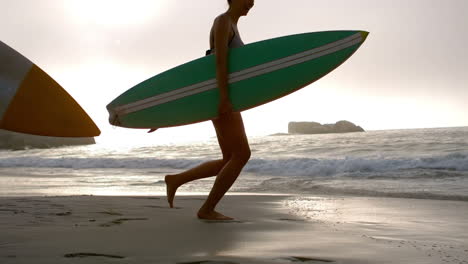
{"x":120,"y":221}
{"x":208,"y":262}
{"x":57,"y":205}
{"x":223,"y":221}
{"x":14,"y":211}
{"x":307,"y":260}
{"x":110,"y":212}
{"x":63,"y":213}
{"x":84,"y":255}
{"x":291,"y":219}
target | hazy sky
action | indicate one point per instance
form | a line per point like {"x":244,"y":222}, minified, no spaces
{"x":411,"y":72}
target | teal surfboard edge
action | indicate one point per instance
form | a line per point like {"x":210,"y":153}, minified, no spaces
{"x":283,"y":46}
{"x":202,"y":107}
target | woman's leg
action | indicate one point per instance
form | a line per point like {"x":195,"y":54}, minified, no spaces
{"x":231,"y":134}
{"x":207,"y":169}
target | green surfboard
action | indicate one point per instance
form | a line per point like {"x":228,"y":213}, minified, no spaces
{"x":259,"y":73}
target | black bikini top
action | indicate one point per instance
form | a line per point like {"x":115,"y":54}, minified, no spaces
{"x":235,"y":42}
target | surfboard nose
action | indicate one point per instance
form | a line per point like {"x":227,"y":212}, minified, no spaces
{"x":113,"y":117}
{"x":364,"y":35}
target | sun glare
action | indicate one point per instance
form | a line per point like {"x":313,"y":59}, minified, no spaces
{"x":115,"y":12}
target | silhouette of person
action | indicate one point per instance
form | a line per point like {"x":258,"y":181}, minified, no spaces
{"x":228,"y":125}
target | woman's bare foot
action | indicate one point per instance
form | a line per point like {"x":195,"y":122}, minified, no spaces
{"x":212,"y":215}
{"x":171,"y":188}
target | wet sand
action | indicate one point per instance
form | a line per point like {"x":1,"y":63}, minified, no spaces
{"x":267,"y":229}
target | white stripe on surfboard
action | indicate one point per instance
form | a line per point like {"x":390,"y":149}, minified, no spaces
{"x":241,"y":75}
{"x":214,"y":85}
{"x":233,"y":76}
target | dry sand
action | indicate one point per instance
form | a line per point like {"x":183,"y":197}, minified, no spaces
{"x":267,"y":229}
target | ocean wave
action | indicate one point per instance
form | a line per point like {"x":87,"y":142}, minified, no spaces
{"x":358,"y":166}
{"x":97,"y":163}
{"x":412,"y":190}
{"x":457,"y":162}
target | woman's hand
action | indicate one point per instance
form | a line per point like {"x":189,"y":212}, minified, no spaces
{"x":224,"y":107}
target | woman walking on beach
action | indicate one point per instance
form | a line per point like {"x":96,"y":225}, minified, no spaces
{"x":228,"y":125}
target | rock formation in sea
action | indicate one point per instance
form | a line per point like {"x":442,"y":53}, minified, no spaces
{"x":317,"y":128}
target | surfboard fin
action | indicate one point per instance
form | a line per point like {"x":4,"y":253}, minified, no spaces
{"x":152,"y":130}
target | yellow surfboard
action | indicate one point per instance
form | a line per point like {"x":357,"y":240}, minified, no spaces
{"x":32,"y":102}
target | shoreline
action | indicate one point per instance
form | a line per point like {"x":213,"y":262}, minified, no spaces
{"x":390,"y":196}
{"x":266,"y":229}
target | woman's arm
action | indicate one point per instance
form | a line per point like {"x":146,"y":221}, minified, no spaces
{"x":222,"y":32}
